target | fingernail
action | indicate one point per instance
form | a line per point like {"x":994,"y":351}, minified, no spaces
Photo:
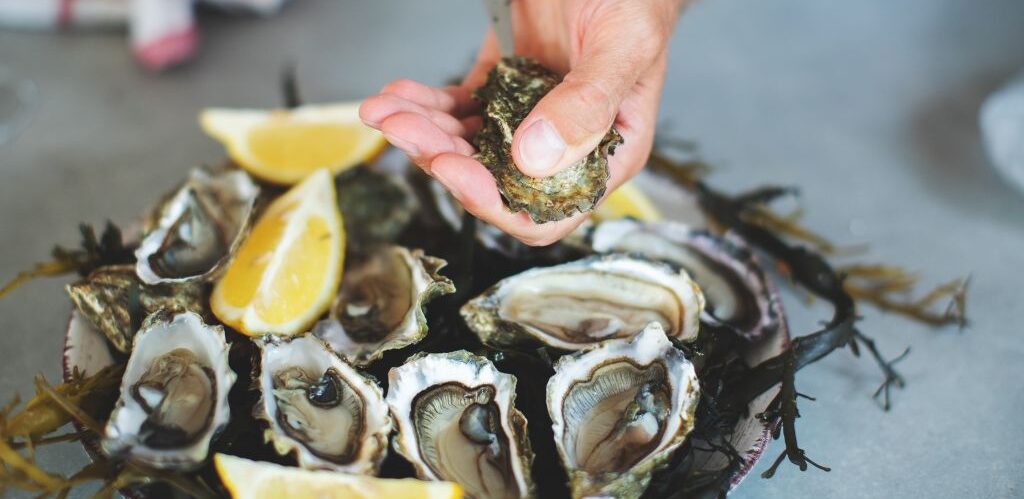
{"x":442,"y":176}
{"x":541,"y":147}
{"x":406,"y":146}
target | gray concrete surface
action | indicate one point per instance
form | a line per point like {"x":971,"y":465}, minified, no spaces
{"x":869,"y":106}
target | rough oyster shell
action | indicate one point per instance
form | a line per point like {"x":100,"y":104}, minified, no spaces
{"x":174,"y":394}
{"x":513,"y":88}
{"x":197,"y":229}
{"x":380,"y":304}
{"x":738,"y":293}
{"x":457,"y":421}
{"x":377,"y":205}
{"x":577,"y":304}
{"x":619,"y":410}
{"x":320,"y":408}
{"x":115,"y":301}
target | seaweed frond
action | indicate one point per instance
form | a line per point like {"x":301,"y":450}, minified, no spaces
{"x":890,"y":288}
{"x":93,"y":252}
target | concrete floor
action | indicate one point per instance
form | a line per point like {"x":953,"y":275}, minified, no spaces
{"x":871,"y":108}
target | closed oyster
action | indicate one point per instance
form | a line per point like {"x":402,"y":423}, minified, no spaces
{"x":380,"y":304}
{"x":320,"y":408}
{"x":377,"y":205}
{"x":198,"y":228}
{"x":618,"y":411}
{"x":737,"y":291}
{"x":513,"y":88}
{"x":115,"y":301}
{"x":577,"y":304}
{"x":456,"y":421}
{"x":174,"y":394}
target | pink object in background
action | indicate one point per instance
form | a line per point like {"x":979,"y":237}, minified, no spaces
{"x":162,"y":32}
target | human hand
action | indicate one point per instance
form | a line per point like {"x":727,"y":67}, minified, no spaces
{"x":613,"y":56}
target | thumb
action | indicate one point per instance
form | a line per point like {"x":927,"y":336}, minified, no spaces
{"x":570,"y":121}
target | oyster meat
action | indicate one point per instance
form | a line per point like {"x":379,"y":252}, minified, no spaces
{"x":577,"y":304}
{"x":457,"y":421}
{"x":738,"y":293}
{"x":174,"y":394}
{"x":380,"y":304}
{"x":513,"y":88}
{"x":319,"y":408}
{"x":115,"y":301}
{"x":197,"y":229}
{"x":619,"y":410}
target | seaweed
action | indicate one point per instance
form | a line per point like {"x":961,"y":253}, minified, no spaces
{"x":84,"y":401}
{"x":92,"y":253}
{"x":730,"y":395}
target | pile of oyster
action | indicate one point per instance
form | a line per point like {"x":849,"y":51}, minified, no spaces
{"x":517,"y":358}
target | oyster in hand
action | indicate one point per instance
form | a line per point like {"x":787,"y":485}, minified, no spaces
{"x":513,"y":88}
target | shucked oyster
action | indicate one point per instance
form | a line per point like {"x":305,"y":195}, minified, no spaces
{"x":114,"y":300}
{"x":198,"y":228}
{"x":320,"y":408}
{"x":619,"y":410}
{"x":380,"y":305}
{"x":456,"y":421}
{"x":577,"y":304}
{"x":737,"y":291}
{"x":513,"y":88}
{"x":174,"y":394}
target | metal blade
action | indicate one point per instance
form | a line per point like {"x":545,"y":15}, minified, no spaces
{"x":501,"y":21}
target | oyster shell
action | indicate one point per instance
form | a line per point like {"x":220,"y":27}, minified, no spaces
{"x":198,"y":228}
{"x":619,"y":410}
{"x":738,"y":293}
{"x":513,"y":88}
{"x":577,"y":304}
{"x":380,"y":304}
{"x":456,"y":421}
{"x":115,"y":301}
{"x":174,"y":394}
{"x":320,"y":408}
{"x":377,"y":206}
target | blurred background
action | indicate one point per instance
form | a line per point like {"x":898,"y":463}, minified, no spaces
{"x":870,"y":107}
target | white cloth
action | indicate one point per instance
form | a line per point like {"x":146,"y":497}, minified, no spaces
{"x":1002,"y":130}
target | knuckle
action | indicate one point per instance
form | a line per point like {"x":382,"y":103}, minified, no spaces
{"x":400,"y":87}
{"x":597,"y":99}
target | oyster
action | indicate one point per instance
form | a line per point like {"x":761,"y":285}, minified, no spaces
{"x":737,"y":291}
{"x":377,"y":206}
{"x":619,"y":410}
{"x":196,"y":230}
{"x":456,"y":421}
{"x":577,"y":304}
{"x":320,"y":408}
{"x":513,"y":88}
{"x":174,"y":394}
{"x":114,"y":300}
{"x":380,"y":304}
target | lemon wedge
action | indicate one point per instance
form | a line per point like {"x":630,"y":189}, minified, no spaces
{"x":627,"y":201}
{"x":284,"y":146}
{"x":287,"y":270}
{"x":247,"y":479}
